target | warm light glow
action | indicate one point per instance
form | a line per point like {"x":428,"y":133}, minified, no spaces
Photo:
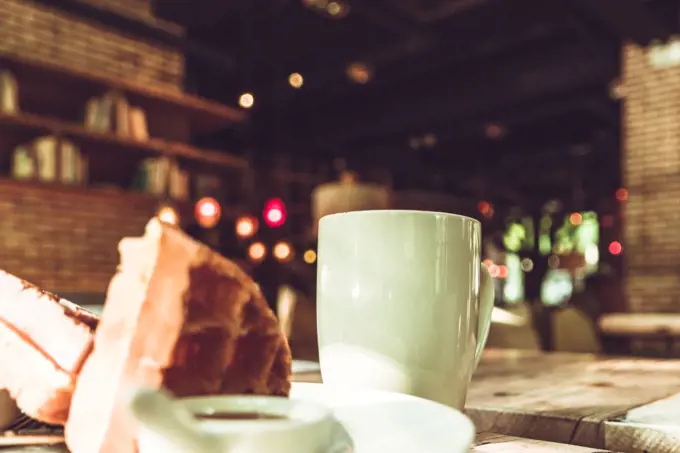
{"x":309,"y":256}
{"x":575,"y":218}
{"x":348,"y":177}
{"x":494,"y":131}
{"x":337,"y":9}
{"x":246,"y":100}
{"x":315,"y":3}
{"x":168,"y":214}
{"x":615,"y":248}
{"x":429,"y":140}
{"x":295,"y":80}
{"x":487,"y":262}
{"x":274,"y":213}
{"x":622,"y":194}
{"x":617,"y":90}
{"x":494,"y":270}
{"x":359,"y":73}
{"x":246,"y":227}
{"x":553,"y":262}
{"x":283,"y":251}
{"x":257,"y":251}
{"x":208,"y":212}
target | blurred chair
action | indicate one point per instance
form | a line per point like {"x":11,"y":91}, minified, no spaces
{"x":574,"y":331}
{"x":511,"y":328}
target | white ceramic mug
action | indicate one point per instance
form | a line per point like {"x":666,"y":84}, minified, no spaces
{"x":167,"y":425}
{"x":403,"y":302}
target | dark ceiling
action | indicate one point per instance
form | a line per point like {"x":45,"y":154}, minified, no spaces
{"x":504,"y":96}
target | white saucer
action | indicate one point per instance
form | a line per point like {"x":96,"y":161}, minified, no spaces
{"x":305,"y":366}
{"x":383,"y":422}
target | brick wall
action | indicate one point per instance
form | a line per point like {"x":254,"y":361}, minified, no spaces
{"x":651,"y":170}
{"x":31,"y":30}
{"x":65,"y":239}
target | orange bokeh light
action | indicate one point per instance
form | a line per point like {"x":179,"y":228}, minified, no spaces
{"x":257,"y":251}
{"x":575,"y":218}
{"x":622,"y":194}
{"x":208,"y":212}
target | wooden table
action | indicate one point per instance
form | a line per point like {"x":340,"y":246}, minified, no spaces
{"x":621,"y":404}
{"x":499,"y":443}
{"x":485,"y":443}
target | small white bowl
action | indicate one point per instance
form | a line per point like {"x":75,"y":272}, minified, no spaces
{"x":296,"y":427}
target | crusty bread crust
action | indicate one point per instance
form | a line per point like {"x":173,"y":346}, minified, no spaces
{"x":47,"y":339}
{"x":177,"y":316}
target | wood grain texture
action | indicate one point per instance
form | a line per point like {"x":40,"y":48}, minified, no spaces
{"x":580,"y":399}
{"x":499,"y":443}
{"x":28,"y":125}
{"x":566,"y":398}
{"x":652,"y":427}
{"x":484,"y":443}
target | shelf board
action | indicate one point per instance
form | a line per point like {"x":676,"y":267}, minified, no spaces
{"x":26,"y":126}
{"x":203,"y":115}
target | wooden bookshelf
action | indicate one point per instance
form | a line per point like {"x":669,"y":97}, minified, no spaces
{"x":16,"y":129}
{"x":67,"y":86}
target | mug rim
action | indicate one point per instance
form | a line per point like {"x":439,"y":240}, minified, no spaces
{"x":416,"y":212}
{"x":274,"y":405}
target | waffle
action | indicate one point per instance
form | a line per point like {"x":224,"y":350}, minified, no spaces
{"x":227,"y":310}
{"x":178,"y":316}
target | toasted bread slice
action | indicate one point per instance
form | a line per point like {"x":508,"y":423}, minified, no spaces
{"x":44,"y":341}
{"x":177,"y":316}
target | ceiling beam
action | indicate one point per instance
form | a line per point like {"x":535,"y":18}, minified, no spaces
{"x":628,"y":19}
{"x":378,"y":16}
{"x":459,"y":44}
{"x":479,"y":91}
{"x":471,"y":129}
{"x":437,"y":10}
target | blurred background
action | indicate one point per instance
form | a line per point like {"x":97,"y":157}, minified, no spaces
{"x":244,"y":121}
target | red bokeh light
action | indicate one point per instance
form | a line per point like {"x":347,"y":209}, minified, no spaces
{"x":274,"y":213}
{"x":615,"y":248}
{"x":485,"y":208}
{"x":622,"y":194}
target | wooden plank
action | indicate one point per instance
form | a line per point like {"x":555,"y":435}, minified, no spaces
{"x":203,"y":114}
{"x":580,"y":399}
{"x":652,"y":427}
{"x":565,"y":398}
{"x":26,"y":124}
{"x":484,"y":443}
{"x":500,"y":443}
